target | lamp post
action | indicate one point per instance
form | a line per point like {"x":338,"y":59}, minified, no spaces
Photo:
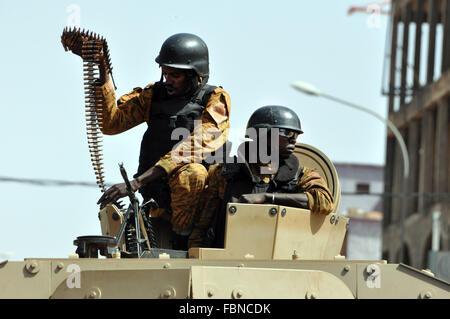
{"x":312,"y":90}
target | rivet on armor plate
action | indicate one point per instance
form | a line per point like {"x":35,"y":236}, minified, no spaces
{"x":94,"y":293}
{"x":166,"y":266}
{"x":332,"y":218}
{"x":283,"y":212}
{"x":32,"y":267}
{"x":169,"y":292}
{"x":232,"y":209}
{"x":426,"y":295}
{"x":273,"y":211}
{"x":311,"y":295}
{"x":237,"y":294}
{"x":337,"y":219}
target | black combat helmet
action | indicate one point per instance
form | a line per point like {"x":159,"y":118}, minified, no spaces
{"x":271,"y":116}
{"x":185,"y":51}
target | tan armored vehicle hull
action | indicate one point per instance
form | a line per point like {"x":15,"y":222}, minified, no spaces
{"x":270,"y":252}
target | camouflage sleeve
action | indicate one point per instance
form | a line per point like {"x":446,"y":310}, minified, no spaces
{"x":209,"y":134}
{"x":130,"y":110}
{"x":319,"y":196}
{"x":209,"y":202}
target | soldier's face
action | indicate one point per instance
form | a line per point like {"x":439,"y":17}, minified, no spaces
{"x":175,"y":81}
{"x":287,"y":145}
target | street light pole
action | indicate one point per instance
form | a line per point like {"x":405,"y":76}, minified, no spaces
{"x":312,"y":90}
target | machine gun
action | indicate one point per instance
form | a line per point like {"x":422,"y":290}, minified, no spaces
{"x":89,"y":246}
{"x":136,"y":235}
{"x":139,"y":217}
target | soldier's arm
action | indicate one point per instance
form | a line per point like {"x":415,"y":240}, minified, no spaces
{"x":214,"y":126}
{"x":320,"y":199}
{"x":130,"y":109}
{"x":311,"y":193}
{"x":299,"y":200}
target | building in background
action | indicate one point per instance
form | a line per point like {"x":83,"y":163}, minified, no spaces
{"x":361,"y":200}
{"x":417,"y":82}
{"x":362,"y":187}
{"x":364,"y":236}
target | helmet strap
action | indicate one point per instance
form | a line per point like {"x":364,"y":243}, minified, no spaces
{"x":197,"y":97}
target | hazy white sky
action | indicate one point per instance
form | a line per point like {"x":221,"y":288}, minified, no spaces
{"x":257,"y":48}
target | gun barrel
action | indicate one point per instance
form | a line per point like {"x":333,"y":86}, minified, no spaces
{"x":127,"y":182}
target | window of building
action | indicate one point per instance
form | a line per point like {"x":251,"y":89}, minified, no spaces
{"x":363,"y":188}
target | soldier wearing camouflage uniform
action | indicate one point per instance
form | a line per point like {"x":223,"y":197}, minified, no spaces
{"x":181,"y":99}
{"x":289,"y":184}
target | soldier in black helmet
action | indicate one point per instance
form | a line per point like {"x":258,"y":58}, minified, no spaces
{"x":182,"y":99}
{"x":281,"y":181}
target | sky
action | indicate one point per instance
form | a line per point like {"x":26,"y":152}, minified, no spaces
{"x":257,"y":49}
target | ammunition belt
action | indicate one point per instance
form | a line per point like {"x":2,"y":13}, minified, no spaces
{"x":87,"y":45}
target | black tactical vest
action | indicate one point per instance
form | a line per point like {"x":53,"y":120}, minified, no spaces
{"x":241,"y":181}
{"x":166,"y":114}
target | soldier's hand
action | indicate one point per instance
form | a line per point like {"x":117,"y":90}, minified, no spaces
{"x":253,"y":198}
{"x":76,"y":43}
{"x":99,"y":59}
{"x":112,"y":194}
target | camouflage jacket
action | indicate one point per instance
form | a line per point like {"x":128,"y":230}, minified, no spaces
{"x":133,"y":109}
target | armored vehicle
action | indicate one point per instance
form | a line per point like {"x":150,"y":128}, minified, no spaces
{"x":270,"y":252}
